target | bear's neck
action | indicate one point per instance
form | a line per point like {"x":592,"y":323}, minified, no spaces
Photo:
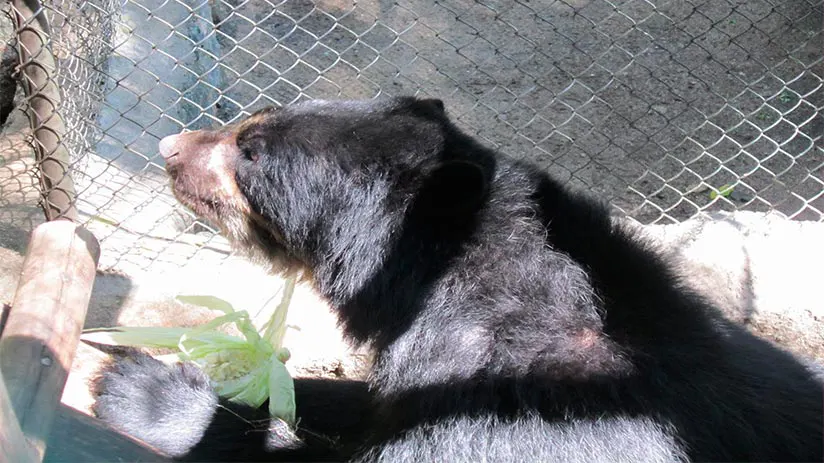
{"x":536,"y":263}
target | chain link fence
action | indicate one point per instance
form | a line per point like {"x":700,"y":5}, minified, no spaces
{"x":666,"y":108}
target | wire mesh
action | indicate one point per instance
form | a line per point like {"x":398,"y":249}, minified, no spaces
{"x":666,"y":108}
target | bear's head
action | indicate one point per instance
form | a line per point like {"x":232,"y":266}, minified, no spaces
{"x":330,"y":187}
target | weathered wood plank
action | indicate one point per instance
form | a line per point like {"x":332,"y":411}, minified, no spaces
{"x":77,"y":437}
{"x":13,"y":446}
{"x":40,"y":336}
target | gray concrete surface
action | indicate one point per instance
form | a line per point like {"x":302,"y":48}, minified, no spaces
{"x":691,"y":94}
{"x":762,"y":270}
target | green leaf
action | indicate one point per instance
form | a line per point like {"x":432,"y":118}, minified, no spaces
{"x":250,"y":389}
{"x":724,"y":191}
{"x":142,"y":336}
{"x":248,"y":369}
{"x":281,"y":393}
{"x":210,"y":302}
{"x":100,"y":219}
{"x":275,"y":328}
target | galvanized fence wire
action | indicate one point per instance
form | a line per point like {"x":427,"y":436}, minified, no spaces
{"x":667,"y":108}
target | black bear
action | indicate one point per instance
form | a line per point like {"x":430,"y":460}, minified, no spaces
{"x":511,"y":319}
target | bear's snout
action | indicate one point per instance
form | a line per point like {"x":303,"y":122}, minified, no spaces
{"x":201,"y":167}
{"x":189,"y":147}
{"x":168,"y":146}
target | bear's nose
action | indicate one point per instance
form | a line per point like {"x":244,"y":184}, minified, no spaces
{"x":168,"y":146}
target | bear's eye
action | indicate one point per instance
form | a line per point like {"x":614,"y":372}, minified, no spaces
{"x":251,"y":143}
{"x":250,"y":155}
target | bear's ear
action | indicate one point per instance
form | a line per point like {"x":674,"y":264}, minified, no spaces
{"x":427,"y":107}
{"x":455,"y":189}
{"x":432,"y":103}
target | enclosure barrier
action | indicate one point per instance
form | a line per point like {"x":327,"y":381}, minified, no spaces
{"x":39,"y":332}
{"x":43,"y":327}
{"x":37,"y":76}
{"x":13,"y":445}
{"x":38,"y":338}
{"x":668,"y":109}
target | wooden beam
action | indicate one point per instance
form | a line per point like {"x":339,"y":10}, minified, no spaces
{"x":13,"y":446}
{"x":79,"y":437}
{"x":40,"y":337}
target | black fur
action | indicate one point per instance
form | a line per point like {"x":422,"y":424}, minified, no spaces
{"x":511,"y":318}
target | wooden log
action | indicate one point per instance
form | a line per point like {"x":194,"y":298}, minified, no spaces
{"x":38,"y":343}
{"x":13,"y":446}
{"x":76,"y":437}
